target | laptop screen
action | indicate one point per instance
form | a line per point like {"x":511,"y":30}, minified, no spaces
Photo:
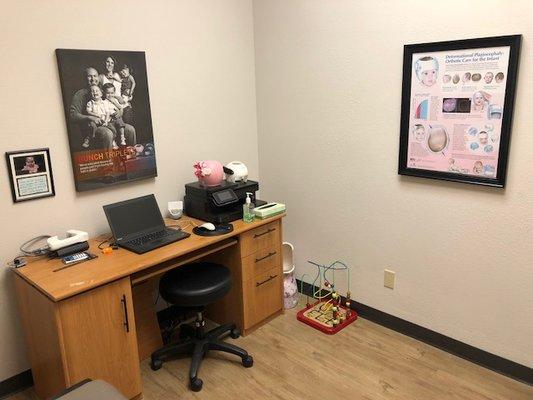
{"x":133,"y":216}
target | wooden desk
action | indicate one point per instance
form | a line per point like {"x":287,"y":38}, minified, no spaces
{"x":97,"y":319}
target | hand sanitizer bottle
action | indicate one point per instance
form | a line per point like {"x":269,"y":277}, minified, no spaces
{"x":248,"y":209}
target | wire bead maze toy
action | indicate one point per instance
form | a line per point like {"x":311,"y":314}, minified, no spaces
{"x":327,"y":314}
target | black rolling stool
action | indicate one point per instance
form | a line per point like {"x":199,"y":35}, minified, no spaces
{"x":195,"y":286}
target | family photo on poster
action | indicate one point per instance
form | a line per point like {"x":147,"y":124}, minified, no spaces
{"x":107,"y":110}
{"x":456,"y":117}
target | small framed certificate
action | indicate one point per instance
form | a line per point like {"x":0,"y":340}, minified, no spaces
{"x":30,"y":173}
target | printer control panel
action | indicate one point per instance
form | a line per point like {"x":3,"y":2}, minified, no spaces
{"x":224,"y":197}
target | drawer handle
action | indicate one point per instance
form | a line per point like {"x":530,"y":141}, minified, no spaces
{"x":265,"y":281}
{"x":265,"y":257}
{"x":126,"y":320}
{"x":264,"y":233}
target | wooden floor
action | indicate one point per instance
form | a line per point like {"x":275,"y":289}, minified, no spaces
{"x":364,"y":361}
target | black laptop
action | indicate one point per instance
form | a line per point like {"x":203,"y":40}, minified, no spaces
{"x":138,"y":225}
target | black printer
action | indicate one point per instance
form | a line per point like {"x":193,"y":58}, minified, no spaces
{"x":219,"y":204}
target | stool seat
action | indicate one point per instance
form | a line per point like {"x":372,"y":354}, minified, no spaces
{"x":195,"y":285}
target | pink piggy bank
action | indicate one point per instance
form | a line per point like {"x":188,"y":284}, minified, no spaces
{"x":209,"y":173}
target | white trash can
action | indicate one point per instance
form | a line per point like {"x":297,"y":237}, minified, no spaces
{"x":290,"y":288}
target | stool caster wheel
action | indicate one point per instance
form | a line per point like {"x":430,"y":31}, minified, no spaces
{"x":156,"y":364}
{"x":196,"y":384}
{"x":248,"y":362}
{"x":235,"y":333}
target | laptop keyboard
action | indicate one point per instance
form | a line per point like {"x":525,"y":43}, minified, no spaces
{"x":148,"y":238}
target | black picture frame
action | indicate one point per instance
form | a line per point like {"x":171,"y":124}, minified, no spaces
{"x":30,"y":181}
{"x":511,"y":41}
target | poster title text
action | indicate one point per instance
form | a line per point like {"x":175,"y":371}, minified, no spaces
{"x":473,"y":57}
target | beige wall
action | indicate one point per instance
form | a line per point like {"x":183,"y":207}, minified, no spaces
{"x":200,"y":61}
{"x":328,"y":94}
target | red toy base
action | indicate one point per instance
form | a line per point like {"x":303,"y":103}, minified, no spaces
{"x":323,"y":327}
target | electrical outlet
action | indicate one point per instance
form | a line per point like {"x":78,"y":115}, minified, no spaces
{"x":390,"y":277}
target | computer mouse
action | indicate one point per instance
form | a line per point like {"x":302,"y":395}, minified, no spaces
{"x":208,"y":226}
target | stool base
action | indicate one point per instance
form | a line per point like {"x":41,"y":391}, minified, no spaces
{"x":196,"y":343}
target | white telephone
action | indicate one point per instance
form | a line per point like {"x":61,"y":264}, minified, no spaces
{"x":73,"y":236}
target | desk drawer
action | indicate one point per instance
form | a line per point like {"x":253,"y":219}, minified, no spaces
{"x":263,"y":297}
{"x":260,"y":262}
{"x":260,"y":238}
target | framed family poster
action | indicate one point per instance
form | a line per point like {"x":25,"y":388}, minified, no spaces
{"x":107,"y":110}
{"x":457,"y":108}
{"x":30,"y":173}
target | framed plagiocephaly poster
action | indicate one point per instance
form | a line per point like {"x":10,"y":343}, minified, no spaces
{"x":457,"y":107}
